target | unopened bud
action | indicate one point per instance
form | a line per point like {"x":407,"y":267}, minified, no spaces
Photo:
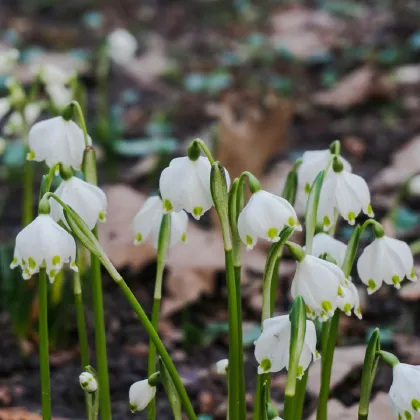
{"x":88,"y":382}
{"x":222,"y":366}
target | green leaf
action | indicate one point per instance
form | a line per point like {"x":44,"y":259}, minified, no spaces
{"x":171,"y":391}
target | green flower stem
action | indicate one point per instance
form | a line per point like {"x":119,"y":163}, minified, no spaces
{"x":236,"y":386}
{"x":368,"y":374}
{"x":81,"y":325}
{"x":27,"y":202}
{"x":299,"y":400}
{"x":82,"y":122}
{"x":100,"y":337}
{"x":159,"y":346}
{"x":164,"y":237}
{"x":44,"y":345}
{"x":275,"y":282}
{"x":327,"y":361}
{"x":205,"y":149}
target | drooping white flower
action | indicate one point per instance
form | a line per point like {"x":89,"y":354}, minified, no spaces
{"x":272,"y":347}
{"x":60,"y":95}
{"x":185,"y":185}
{"x":313,"y":163}
{"x":222,"y":366}
{"x":324,"y":243}
{"x":404,"y":394}
{"x":44,"y":242}
{"x":122,"y":46}
{"x":87,"y":200}
{"x":4,"y":106}
{"x":264,"y":216}
{"x":57,"y":141}
{"x":318,"y":281}
{"x":348,"y":299}
{"x":15,"y":123}
{"x":140,"y":394}
{"x":346,"y":193}
{"x":8,"y":60}
{"x":51,"y":74}
{"x":88,"y":382}
{"x":148,"y":220}
{"x":385,"y":259}
{"x":414,"y":185}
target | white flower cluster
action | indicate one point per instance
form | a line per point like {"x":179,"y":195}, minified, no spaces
{"x":44,"y":243}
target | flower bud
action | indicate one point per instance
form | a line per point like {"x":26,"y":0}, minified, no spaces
{"x":88,"y":382}
{"x":140,"y":394}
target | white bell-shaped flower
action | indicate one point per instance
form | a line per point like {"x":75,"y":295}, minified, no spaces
{"x":273,"y":345}
{"x":265,"y":216}
{"x":4,"y":106}
{"x":386,"y":260}
{"x":60,"y":95}
{"x":122,"y":46}
{"x":87,"y":200}
{"x":57,"y":141}
{"x":404,"y":394}
{"x":318,"y":282}
{"x":313,"y":162}
{"x":345,"y":193}
{"x":140,"y":394}
{"x":222,"y":367}
{"x":185,"y":185}
{"x":326,"y":244}
{"x":15,"y":123}
{"x":44,"y":243}
{"x":348,"y":299}
{"x":413,"y":186}
{"x":88,"y":382}
{"x":148,"y":220}
{"x":8,"y":60}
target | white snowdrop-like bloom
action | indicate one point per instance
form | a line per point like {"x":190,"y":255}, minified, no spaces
{"x":8,"y":60}
{"x":346,"y":193}
{"x":57,"y":141}
{"x":348,"y":299}
{"x":413,"y":184}
{"x":386,"y":260}
{"x":87,"y":200}
{"x":54,"y":75}
{"x":4,"y":106}
{"x":60,"y":95}
{"x":185,"y":185}
{"x":88,"y":382}
{"x":404,"y":394}
{"x":318,"y":282}
{"x":265,"y":216}
{"x":324,"y":243}
{"x":313,"y":163}
{"x":15,"y":123}
{"x":222,"y":366}
{"x":44,"y":242}
{"x":140,"y":394}
{"x":122,"y":46}
{"x":272,"y":347}
{"x":148,"y":220}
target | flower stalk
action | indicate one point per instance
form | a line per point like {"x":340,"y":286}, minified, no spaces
{"x":44,"y":345}
{"x":163,"y":244}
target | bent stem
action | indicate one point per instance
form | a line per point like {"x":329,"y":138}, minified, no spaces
{"x":80,"y":316}
{"x":159,"y":346}
{"x":164,"y":233}
{"x":44,"y":345}
{"x":327,"y":361}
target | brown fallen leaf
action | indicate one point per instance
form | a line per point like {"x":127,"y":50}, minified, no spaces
{"x":378,"y":409}
{"x":405,"y":163}
{"x":251,"y":130}
{"x":19,"y":413}
{"x":355,"y":88}
{"x":305,"y":32}
{"x":345,"y":360}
